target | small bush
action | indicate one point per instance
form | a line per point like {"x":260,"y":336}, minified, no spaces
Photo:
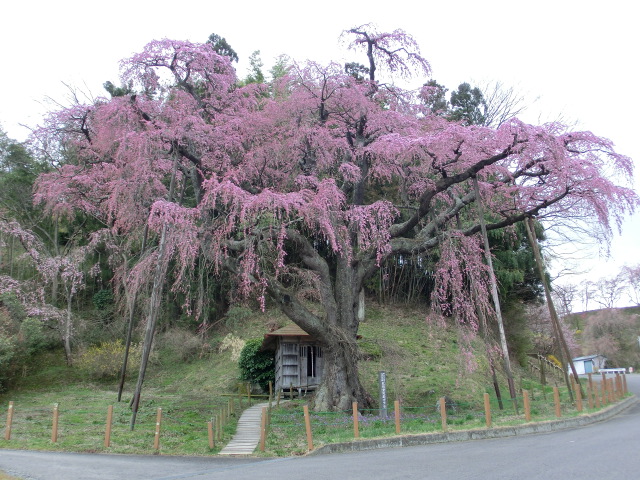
{"x":21,"y":337}
{"x":103,"y":300}
{"x":182,"y":345}
{"x":256,"y":366}
{"x":12,"y":306}
{"x":104,"y":304}
{"x":232,"y":344}
{"x":34,"y":338}
{"x":7,"y":354}
{"x":105,"y":360}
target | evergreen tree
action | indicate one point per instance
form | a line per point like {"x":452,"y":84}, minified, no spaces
{"x":467,"y":105}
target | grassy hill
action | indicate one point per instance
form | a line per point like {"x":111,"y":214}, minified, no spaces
{"x":193,"y":381}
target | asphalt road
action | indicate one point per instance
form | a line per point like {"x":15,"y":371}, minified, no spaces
{"x":605,"y":450}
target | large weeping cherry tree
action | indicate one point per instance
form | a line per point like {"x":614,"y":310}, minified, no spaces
{"x":314,"y":181}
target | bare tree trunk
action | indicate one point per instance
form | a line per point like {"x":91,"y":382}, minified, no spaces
{"x":132,"y":307}
{"x":152,"y":319}
{"x":488,"y":341}
{"x":11,"y":247}
{"x":564,"y":349}
{"x":127,"y":344}
{"x":67,"y":330}
{"x":154,"y":305}
{"x":495,"y":297}
{"x":54,"y":280}
{"x":486,"y":336}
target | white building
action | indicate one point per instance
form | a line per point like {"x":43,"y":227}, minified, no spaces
{"x":589,"y":363}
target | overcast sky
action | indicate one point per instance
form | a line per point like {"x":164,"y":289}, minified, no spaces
{"x":577,"y":60}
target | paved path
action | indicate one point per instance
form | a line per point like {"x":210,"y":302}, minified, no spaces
{"x":247,"y":435}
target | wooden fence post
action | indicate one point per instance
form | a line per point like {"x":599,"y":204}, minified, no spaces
{"x":527,"y":405}
{"x":556,"y":400}
{"x":356,"y":425}
{"x":624,"y":384}
{"x":7,"y":429}
{"x":156,"y":438}
{"x":307,"y":424}
{"x":212,"y":443}
{"x":443,"y":413}
{"x":487,"y":410}
{"x":620,"y":389}
{"x":578,"y":398}
{"x":619,"y":385}
{"x":54,"y":428}
{"x":611,"y":396}
{"x":107,"y":433}
{"x":396,"y":407}
{"x":263,"y":429}
{"x":603,"y":385}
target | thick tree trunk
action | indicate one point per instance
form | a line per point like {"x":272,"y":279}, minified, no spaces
{"x":336,"y":330}
{"x":341,"y":385}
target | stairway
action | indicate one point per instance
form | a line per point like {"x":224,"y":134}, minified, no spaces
{"x":247,"y":435}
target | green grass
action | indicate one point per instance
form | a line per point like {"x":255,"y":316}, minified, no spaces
{"x":422,"y":360}
{"x":189,"y":393}
{"x":187,"y":405}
